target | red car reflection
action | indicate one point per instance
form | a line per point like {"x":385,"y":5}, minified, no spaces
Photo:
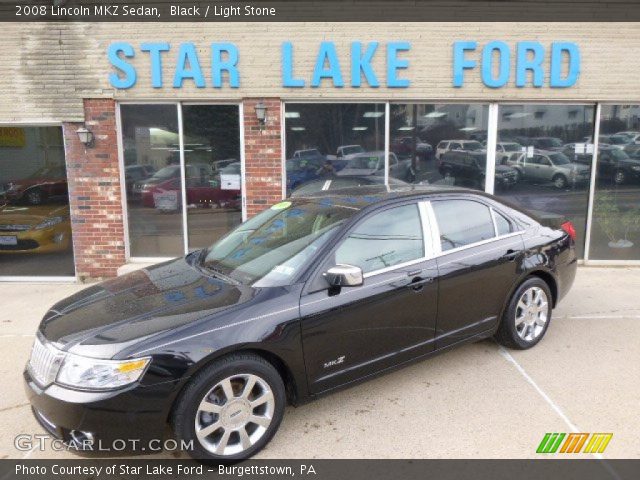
{"x":46,"y":183}
{"x":204,"y":188}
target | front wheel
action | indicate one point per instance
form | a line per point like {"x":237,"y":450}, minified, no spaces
{"x":231,"y":409}
{"x":34,"y":196}
{"x":560,"y":181}
{"x":527,"y":317}
{"x":619,"y":177}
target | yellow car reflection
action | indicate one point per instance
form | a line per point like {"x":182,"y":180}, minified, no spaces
{"x":34,"y":229}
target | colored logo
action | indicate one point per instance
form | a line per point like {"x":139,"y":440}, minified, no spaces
{"x":574,"y":442}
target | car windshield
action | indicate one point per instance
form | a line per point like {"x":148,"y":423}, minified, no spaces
{"x":352,"y":149}
{"x":167,"y":172}
{"x":366,"y":162}
{"x":549,"y":142}
{"x":49,"y":172}
{"x":618,"y":140}
{"x":309,"y":154}
{"x":512,"y":147}
{"x":618,"y":154}
{"x":271,"y":249}
{"x":297,"y":165}
{"x":559,"y":159}
{"x":234,"y":168}
{"x":472,"y":146}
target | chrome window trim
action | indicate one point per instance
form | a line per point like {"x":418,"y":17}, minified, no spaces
{"x":436,"y":231}
{"x":493,"y":219}
{"x":431,"y":238}
{"x":428,"y":252}
{"x":395,"y":267}
{"x":425,"y":218}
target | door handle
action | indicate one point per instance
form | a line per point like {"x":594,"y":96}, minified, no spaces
{"x":510,"y":255}
{"x":418,"y":283}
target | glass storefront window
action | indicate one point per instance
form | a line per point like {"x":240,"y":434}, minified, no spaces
{"x":615,"y":229}
{"x":152,"y":179}
{"x":35,"y":225}
{"x":325,"y":142}
{"x":549,"y":149}
{"x":442,"y":144}
{"x":212,"y":171}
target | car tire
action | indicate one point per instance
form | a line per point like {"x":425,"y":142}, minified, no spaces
{"x":619,"y":177}
{"x":230,"y":431}
{"x":518,"y":176}
{"x":560,"y":181}
{"x":34,"y":196}
{"x":526,"y":319}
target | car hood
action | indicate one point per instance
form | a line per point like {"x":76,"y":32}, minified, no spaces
{"x":128,"y":309}
{"x":502,"y":169}
{"x":578,"y":167}
{"x":32,"y":215}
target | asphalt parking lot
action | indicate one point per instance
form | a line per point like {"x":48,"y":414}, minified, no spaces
{"x":478,"y":401}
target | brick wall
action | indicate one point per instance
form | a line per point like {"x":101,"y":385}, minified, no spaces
{"x":94,"y":193}
{"x":263,"y":155}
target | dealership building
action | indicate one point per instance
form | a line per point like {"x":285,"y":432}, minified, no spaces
{"x":125,"y":144}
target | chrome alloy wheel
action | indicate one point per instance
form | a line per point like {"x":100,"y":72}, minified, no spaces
{"x":532,"y":312}
{"x":234,"y":414}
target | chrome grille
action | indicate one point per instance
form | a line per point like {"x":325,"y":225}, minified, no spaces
{"x":45,"y":362}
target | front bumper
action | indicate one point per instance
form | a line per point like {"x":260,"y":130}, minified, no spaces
{"x":132,"y":417}
{"x":46,"y":240}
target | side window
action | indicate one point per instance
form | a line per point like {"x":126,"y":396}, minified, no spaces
{"x":503,"y":225}
{"x":455,"y":146}
{"x":385,"y":239}
{"x":462,"y":222}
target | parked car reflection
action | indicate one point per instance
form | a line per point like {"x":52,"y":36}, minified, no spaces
{"x":468,"y":168}
{"x":46,"y":183}
{"x":204,"y":188}
{"x":404,"y":147}
{"x":614,"y":165}
{"x":34,"y":228}
{"x":343,"y":182}
{"x":545,"y":166}
{"x":372,"y":163}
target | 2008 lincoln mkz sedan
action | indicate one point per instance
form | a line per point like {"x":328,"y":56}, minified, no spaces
{"x":310,"y":295}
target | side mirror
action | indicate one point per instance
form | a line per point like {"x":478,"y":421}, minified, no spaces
{"x":344,"y":276}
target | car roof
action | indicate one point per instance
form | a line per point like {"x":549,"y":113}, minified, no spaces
{"x":365,"y":196}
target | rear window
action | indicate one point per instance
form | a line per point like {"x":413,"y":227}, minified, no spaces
{"x":503,"y":225}
{"x":462,"y":222}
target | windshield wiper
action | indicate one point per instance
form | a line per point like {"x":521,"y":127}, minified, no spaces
{"x":216,"y":272}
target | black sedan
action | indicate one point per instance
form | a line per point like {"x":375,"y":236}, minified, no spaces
{"x":311,"y":295}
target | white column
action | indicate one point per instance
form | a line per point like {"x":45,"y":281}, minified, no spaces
{"x":492,"y":139}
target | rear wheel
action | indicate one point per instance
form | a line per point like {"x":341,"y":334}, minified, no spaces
{"x":231,"y":410}
{"x":527,"y":317}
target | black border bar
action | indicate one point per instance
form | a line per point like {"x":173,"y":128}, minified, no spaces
{"x":323,"y":11}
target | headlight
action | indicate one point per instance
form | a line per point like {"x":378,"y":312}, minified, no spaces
{"x":636,"y":168}
{"x":13,"y":186}
{"x":96,"y":374}
{"x":49,"y":222}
